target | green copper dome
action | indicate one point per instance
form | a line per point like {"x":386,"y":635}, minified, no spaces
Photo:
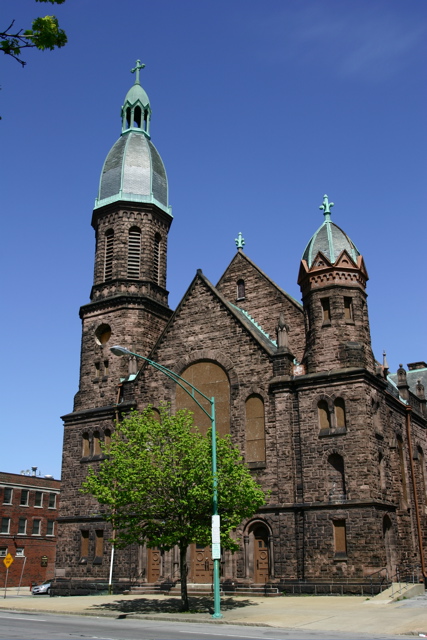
{"x":329,"y":239}
{"x":133,"y":169}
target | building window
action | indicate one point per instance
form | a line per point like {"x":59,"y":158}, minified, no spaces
{"x":85,"y":445}
{"x":108,"y":258}
{"x":97,"y":369}
{"x":84,"y":543}
{"x":22,"y":526}
{"x":336,"y":478}
{"x":102,"y":334}
{"x":348,"y":309}
{"x":402,"y":470}
{"x":423,"y":472}
{"x":96,"y":444}
{"x":107,"y":439}
{"x":339,"y":407}
{"x":99,"y":543}
{"x":24,"y":498}
{"x":38,"y":500}
{"x":326,"y":311}
{"x":255,"y":429}
{"x":5,"y":525}
{"x":3,"y":552}
{"x":134,"y":253}
{"x":240,"y":289}
{"x":211,"y":380}
{"x":50,"y":529}
{"x":106,"y":368}
{"x":340,"y":539}
{"x":156,"y":258}
{"x":52,"y":500}
{"x":324,"y":415}
{"x":20,"y":552}
{"x":381,"y":467}
{"x":7,"y":495}
{"x":36,"y":527}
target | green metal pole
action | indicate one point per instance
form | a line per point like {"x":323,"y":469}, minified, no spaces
{"x":216,"y":572}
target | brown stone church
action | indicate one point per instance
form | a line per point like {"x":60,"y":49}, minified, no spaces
{"x":338,"y":441}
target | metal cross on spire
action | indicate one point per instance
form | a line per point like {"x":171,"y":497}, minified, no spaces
{"x":136,"y":69}
{"x":240,"y":243}
{"x":326,"y":206}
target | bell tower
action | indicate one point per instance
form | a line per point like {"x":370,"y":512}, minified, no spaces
{"x":333,"y":279}
{"x":129,"y":301}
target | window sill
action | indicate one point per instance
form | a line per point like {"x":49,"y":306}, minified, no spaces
{"x":340,"y":556}
{"x":325,"y":433}
{"x":256,"y":465}
{"x":350,"y":322}
{"x":97,"y":560}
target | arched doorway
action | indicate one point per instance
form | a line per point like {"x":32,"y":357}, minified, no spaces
{"x":261,"y":571}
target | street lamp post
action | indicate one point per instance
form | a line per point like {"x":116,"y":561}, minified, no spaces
{"x":216,"y":549}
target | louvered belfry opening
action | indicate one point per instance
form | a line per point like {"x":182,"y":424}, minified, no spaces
{"x":109,"y":251}
{"x":134,"y":253}
{"x":156,"y":258}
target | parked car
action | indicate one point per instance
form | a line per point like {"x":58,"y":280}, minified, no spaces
{"x":41,"y":588}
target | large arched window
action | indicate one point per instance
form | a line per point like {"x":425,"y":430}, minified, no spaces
{"x":109,"y":251}
{"x":134,"y":253}
{"x":211,"y":380}
{"x":339,"y":407}
{"x":336,"y":478}
{"x":324,"y":415}
{"x":255,"y":429}
{"x":85,"y":445}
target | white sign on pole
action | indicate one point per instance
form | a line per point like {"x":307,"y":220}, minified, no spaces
{"x":216,"y":538}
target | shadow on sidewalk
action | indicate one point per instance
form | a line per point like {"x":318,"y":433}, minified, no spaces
{"x":198,"y":604}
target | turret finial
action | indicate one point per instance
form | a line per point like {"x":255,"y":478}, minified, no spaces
{"x":326,"y":206}
{"x":240,"y":242}
{"x":136,"y":69}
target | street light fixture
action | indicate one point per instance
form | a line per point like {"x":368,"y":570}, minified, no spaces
{"x":216,"y":549}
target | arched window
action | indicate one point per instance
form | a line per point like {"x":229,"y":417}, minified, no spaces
{"x":336,"y":478}
{"x":134,"y":253}
{"x":96,"y":446}
{"x":340,"y":413}
{"x":137,"y":118}
{"x":422,"y":472}
{"x":85,"y":445}
{"x":240,"y":289}
{"x":128,"y":118}
{"x":255,"y":429}
{"x":401,"y":454}
{"x":156,"y":258}
{"x":156,"y":414}
{"x":211,"y":380}
{"x":109,"y":251}
{"x":324,"y":415}
{"x":381,"y":468}
{"x":107,"y":439}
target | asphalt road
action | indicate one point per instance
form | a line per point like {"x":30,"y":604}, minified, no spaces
{"x":22,"y":626}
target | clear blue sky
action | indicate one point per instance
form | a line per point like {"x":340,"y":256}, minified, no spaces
{"x":258,"y":110}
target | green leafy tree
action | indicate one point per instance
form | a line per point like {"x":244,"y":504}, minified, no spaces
{"x":156,"y":485}
{"x":44,"y":34}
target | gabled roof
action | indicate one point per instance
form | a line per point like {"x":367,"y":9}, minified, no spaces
{"x":241,"y":255}
{"x":254,"y":330}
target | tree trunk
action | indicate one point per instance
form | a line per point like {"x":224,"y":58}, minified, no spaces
{"x":183,"y":569}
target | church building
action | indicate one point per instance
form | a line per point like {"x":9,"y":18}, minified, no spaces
{"x":339,"y":442}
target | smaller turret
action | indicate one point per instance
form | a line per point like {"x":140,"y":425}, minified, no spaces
{"x":333,"y":279}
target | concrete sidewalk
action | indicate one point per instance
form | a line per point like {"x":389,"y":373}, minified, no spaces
{"x":318,"y":613}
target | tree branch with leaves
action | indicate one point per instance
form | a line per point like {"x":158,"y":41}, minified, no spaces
{"x":156,"y":485}
{"x":45,"y":33}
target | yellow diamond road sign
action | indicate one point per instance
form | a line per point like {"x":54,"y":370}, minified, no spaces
{"x":8,"y":560}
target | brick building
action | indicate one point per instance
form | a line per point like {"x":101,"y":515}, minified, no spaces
{"x":29,"y":509}
{"x":339,"y":443}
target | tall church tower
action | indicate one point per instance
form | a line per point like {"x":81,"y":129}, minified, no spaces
{"x":333,"y":279}
{"x":129,"y":301}
{"x":128,"y":305}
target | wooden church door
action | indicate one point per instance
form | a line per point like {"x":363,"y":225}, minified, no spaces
{"x":261,"y":555}
{"x":153,"y":564}
{"x":201,"y":564}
